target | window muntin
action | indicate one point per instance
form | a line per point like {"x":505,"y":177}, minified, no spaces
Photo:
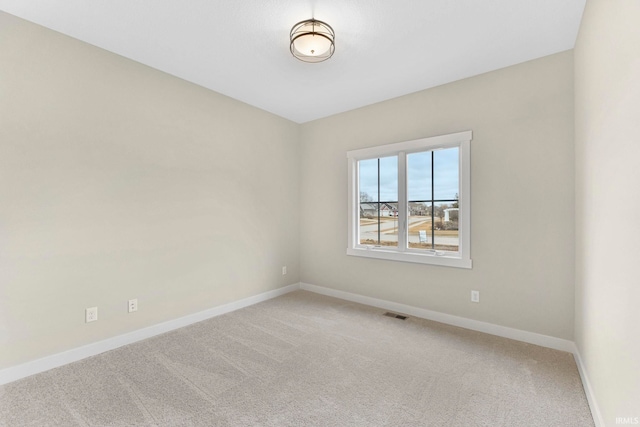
{"x":409,"y":201}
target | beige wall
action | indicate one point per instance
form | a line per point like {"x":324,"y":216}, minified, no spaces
{"x":118,"y":181}
{"x":607,"y":126}
{"x":522,"y":179}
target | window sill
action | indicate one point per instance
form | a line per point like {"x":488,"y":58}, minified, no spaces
{"x":426,"y":258}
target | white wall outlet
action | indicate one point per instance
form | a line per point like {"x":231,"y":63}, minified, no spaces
{"x":284,"y":270}
{"x":133,"y":305}
{"x":91,"y":314}
{"x":475,"y":296}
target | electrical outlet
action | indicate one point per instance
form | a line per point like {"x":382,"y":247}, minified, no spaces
{"x":284,"y":270}
{"x":91,"y":314}
{"x":133,"y":305}
{"x":475,"y":296}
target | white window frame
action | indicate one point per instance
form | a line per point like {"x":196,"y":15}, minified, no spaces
{"x":462,"y":258}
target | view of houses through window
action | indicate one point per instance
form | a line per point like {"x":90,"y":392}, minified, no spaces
{"x":432,"y":188}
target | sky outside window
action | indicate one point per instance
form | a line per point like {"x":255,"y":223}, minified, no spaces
{"x":446,"y":175}
{"x":388,"y":178}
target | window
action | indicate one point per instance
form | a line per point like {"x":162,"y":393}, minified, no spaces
{"x":410,"y":201}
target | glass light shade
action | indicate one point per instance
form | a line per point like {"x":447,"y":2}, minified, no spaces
{"x":312,"y":41}
{"x":312,"y":45}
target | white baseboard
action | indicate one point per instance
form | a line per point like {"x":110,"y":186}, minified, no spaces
{"x":49,"y":362}
{"x":595,"y":410}
{"x":30,"y":368}
{"x":475,"y":325}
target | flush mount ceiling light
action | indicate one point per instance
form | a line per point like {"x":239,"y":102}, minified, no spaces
{"x":312,"y":41}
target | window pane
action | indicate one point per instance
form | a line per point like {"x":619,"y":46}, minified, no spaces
{"x":379,"y":233}
{"x":378,"y":220}
{"x":446,"y":176}
{"x":446,"y":227}
{"x":389,"y":179}
{"x":368,"y":180}
{"x":419,"y":231}
{"x":419,"y":176}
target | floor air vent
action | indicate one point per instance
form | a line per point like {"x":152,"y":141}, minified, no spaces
{"x":397,"y":316}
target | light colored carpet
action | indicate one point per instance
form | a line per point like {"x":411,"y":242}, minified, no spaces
{"x":308,"y":360}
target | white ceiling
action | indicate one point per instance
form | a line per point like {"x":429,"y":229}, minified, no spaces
{"x":384,"y":49}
